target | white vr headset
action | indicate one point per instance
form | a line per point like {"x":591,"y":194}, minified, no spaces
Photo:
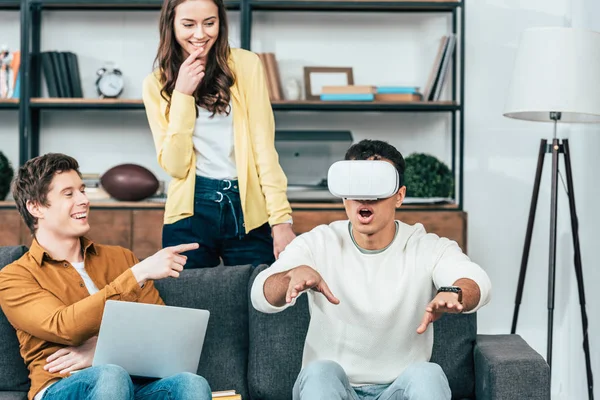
{"x":363,"y":179}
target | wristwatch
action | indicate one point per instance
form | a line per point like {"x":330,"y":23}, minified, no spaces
{"x":452,"y":289}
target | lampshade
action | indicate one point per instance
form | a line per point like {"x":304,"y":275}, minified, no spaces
{"x":556,"y":70}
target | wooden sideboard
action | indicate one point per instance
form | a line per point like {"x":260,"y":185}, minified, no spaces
{"x":138,"y":226}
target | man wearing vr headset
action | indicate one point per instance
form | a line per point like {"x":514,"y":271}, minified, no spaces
{"x":369,"y":281}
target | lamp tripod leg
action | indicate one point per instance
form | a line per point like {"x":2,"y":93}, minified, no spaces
{"x":555,"y":150}
{"x":532,"y":208}
{"x":578,"y":267}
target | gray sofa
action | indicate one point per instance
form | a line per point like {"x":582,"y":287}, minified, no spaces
{"x":260,"y":355}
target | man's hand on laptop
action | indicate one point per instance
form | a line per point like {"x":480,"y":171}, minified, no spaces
{"x":305,"y":277}
{"x":164,"y":263}
{"x":70,"y":359}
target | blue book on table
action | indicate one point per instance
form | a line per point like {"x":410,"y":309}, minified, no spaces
{"x":396,"y":89}
{"x":347,"y":96}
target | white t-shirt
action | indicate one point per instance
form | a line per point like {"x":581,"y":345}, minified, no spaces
{"x":213,"y":144}
{"x":89,"y":284}
{"x":372,"y":332}
{"x":91,"y":287}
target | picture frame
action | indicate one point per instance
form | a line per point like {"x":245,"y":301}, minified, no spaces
{"x":317,"y":77}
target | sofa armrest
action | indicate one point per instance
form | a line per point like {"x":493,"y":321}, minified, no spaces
{"x":506,"y":367}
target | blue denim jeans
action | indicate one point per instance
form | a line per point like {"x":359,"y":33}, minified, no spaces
{"x":111,"y":382}
{"x":327,"y":380}
{"x":218,"y":226}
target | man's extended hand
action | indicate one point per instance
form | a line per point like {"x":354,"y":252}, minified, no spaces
{"x":70,"y":359}
{"x":303,"y":278}
{"x":167,"y":262}
{"x":444,"y":302}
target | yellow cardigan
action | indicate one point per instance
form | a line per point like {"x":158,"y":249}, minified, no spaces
{"x":262,"y":182}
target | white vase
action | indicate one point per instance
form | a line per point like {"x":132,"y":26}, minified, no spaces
{"x":292,"y":89}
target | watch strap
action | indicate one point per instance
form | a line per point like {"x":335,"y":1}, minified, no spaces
{"x":452,"y":289}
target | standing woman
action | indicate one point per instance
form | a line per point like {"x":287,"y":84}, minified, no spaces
{"x":209,"y":111}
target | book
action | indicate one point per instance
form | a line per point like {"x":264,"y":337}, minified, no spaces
{"x":226,"y":395}
{"x":398,"y":97}
{"x":9,"y":73}
{"x":347,"y":97}
{"x":448,"y":54}
{"x":397,"y":89}
{"x":263,"y":59}
{"x":61,"y":71}
{"x":348,"y":89}
{"x":437,"y":64}
{"x":272,"y":75}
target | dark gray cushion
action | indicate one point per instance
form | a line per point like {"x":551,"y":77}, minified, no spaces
{"x":276,"y":346}
{"x":453,"y":342}
{"x":223,"y":292}
{"x":508,"y":368}
{"x":13,"y":373}
{"x":13,"y":395}
{"x":277,"y":343}
{"x":8,"y":254}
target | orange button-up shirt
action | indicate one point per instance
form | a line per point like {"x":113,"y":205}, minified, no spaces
{"x":50,"y":307}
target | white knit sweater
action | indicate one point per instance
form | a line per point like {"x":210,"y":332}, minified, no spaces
{"x":372,"y":332}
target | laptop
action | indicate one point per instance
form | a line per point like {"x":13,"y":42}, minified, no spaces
{"x":151,"y":341}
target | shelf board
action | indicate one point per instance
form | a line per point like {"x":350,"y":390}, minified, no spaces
{"x":356,"y":5}
{"x":112,"y":4}
{"x":135,"y":104}
{"x":10,"y":5}
{"x":12,"y":104}
{"x":297,"y":206}
{"x":417,"y":106}
{"x":339,"y":205}
{"x":86,"y":104}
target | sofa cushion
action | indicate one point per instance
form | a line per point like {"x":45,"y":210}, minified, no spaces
{"x":13,"y":373}
{"x":453,"y":346}
{"x":277,"y":343}
{"x":223,"y":292}
{"x":13,"y":395}
{"x":276,"y":346}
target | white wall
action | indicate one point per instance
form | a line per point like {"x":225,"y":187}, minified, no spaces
{"x":585,"y":139}
{"x":501,"y":154}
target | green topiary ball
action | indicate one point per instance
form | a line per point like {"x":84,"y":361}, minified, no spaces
{"x":6,"y":175}
{"x":426,"y":176}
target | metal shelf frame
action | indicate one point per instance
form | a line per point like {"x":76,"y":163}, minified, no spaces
{"x":31,"y":107}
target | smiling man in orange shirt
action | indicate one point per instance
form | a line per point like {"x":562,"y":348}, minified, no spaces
{"x":54,"y":295}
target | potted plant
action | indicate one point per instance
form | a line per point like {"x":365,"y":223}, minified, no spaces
{"x":427,"y":177}
{"x":6,"y":176}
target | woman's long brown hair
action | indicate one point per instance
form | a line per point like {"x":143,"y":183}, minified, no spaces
{"x":213,"y":93}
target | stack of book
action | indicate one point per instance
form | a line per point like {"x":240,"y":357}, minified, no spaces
{"x":272,"y":75}
{"x":396,"y":94}
{"x":61,"y":70}
{"x":439,"y":71}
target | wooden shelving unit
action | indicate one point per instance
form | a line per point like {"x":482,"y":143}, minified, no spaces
{"x":138,"y":226}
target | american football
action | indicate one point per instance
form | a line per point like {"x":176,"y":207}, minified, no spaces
{"x":129,"y":182}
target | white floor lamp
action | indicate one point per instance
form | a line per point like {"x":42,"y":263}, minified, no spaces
{"x":556,"y":78}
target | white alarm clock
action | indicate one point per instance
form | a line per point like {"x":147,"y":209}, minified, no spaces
{"x":110,"y":82}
